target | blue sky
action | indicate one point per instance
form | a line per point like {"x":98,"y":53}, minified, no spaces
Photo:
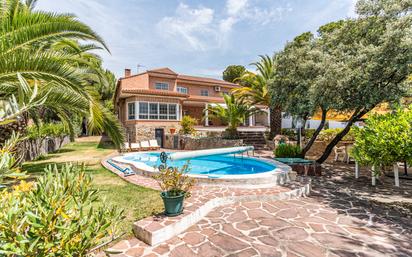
{"x":197,"y":37}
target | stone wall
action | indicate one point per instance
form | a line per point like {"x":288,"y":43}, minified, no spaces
{"x":31,"y":149}
{"x":142,"y":132}
{"x":191,"y":143}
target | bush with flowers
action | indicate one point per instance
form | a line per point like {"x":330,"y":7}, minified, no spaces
{"x":59,"y":215}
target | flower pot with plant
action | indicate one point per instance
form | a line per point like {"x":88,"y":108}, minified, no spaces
{"x":175,"y":185}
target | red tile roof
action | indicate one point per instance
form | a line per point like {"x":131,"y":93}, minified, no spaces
{"x":154,"y":92}
{"x":164,"y":70}
{"x":206,"y":80}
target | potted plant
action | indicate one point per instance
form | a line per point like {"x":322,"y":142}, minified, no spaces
{"x":175,"y":185}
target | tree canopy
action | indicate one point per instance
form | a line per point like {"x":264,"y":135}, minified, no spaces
{"x":349,"y":66}
{"x":233,"y":72}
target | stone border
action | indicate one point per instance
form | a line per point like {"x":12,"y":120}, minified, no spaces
{"x":162,"y":234}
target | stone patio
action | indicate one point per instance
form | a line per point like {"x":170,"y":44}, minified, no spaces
{"x":303,"y":227}
{"x":342,"y":217}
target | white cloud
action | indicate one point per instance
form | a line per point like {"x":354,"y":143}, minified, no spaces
{"x":201,"y":29}
{"x":235,"y":6}
{"x":191,"y":24}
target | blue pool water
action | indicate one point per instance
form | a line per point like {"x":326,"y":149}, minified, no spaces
{"x":209,"y":165}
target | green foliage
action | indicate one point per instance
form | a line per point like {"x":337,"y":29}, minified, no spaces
{"x":287,"y":151}
{"x":174,"y":181}
{"x":233,"y":72}
{"x":350,"y":66}
{"x":60,"y":215}
{"x":385,"y":139}
{"x":64,"y":76}
{"x":327,"y":135}
{"x":188,"y":124}
{"x":47,"y":130}
{"x":233,"y":114}
{"x":290,"y":133}
{"x":8,"y":161}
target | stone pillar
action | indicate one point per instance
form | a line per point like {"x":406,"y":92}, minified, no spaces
{"x":206,"y":116}
{"x":251,"y":120}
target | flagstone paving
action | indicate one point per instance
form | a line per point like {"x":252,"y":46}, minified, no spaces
{"x":339,"y":218}
{"x":302,"y":227}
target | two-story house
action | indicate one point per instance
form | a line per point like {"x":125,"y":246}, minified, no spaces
{"x":149,"y":104}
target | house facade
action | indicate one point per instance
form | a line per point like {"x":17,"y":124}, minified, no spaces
{"x":152,"y":103}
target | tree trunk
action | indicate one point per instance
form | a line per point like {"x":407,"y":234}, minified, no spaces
{"x":340,"y":135}
{"x":315,"y":135}
{"x":275,"y":121}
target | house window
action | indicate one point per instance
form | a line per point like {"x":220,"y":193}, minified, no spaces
{"x":161,"y":86}
{"x":172,"y":112}
{"x":163,"y":111}
{"x":154,"y":111}
{"x":143,"y":110}
{"x":157,"y":111}
{"x":204,"y":92}
{"x":131,"y":107}
{"x":182,"y":90}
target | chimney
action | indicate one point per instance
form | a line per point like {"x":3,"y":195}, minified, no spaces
{"x":127,"y":73}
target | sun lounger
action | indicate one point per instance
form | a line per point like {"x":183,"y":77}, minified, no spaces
{"x":145,"y":146}
{"x":125,"y":147}
{"x":135,"y":146}
{"x":154,"y":145}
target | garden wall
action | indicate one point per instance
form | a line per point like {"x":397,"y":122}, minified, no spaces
{"x":191,"y":143}
{"x":33,"y":148}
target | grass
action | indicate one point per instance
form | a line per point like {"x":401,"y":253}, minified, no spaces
{"x":138,"y":202}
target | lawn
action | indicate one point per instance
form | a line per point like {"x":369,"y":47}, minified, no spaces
{"x":138,"y":202}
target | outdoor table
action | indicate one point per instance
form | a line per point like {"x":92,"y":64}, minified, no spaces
{"x":299,"y":162}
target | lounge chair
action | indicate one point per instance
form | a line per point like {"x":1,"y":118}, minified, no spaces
{"x":135,"y":146}
{"x":145,"y":145}
{"x":125,"y":147}
{"x":154,"y":145}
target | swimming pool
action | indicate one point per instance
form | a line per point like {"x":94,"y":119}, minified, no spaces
{"x":223,"y":168}
{"x":210,"y":165}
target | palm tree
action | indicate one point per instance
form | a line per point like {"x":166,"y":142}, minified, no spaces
{"x":233,"y":113}
{"x":256,"y":89}
{"x":31,"y":44}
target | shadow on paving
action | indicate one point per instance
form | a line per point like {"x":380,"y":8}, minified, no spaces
{"x":383,"y":203}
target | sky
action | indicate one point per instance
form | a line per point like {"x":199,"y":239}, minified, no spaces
{"x":197,"y":37}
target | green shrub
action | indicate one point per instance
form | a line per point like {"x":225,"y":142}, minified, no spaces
{"x":309,"y":133}
{"x":47,"y":130}
{"x":187,"y":124}
{"x":290,"y":133}
{"x":287,"y":151}
{"x":60,"y":215}
{"x":385,"y":139}
{"x":327,"y":135}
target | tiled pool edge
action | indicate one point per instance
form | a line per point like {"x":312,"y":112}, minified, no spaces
{"x":162,"y":234}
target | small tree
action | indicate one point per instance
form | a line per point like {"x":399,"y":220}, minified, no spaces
{"x":233,"y":72}
{"x":187,"y":124}
{"x":233,"y":113}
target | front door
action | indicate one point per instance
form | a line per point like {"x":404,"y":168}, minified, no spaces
{"x":159,"y":135}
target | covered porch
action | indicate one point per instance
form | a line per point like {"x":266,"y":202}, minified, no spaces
{"x":198,"y":110}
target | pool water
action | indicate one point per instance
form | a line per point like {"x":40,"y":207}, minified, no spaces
{"x":209,"y":165}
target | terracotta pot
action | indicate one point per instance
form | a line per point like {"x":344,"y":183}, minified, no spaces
{"x":172,"y":131}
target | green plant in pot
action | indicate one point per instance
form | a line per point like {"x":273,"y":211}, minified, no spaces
{"x":175,"y":185}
